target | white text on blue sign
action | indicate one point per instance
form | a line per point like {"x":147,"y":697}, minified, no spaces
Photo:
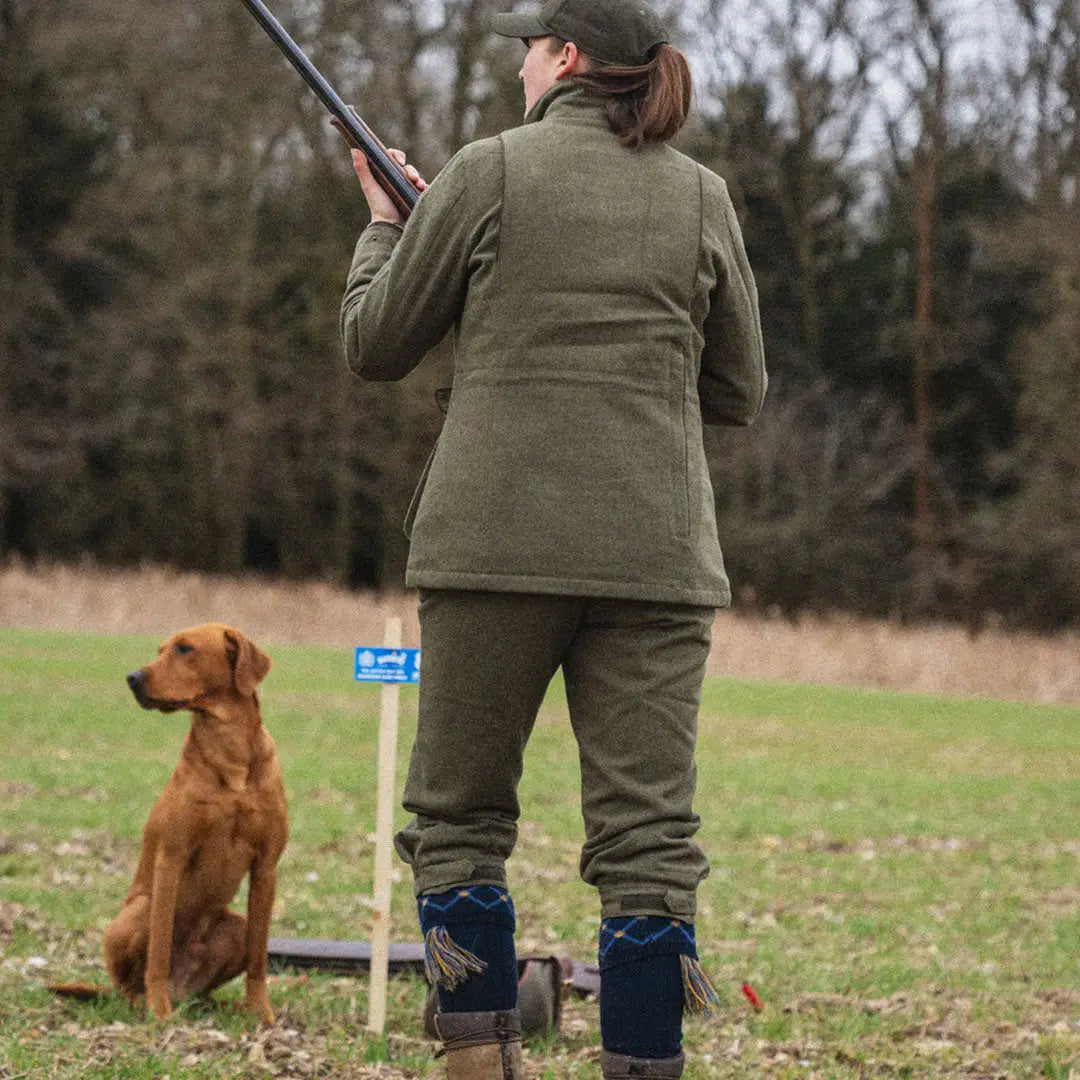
{"x":378,"y":664}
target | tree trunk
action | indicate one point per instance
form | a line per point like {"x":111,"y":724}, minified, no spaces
{"x":9,"y":158}
{"x":925,"y":525}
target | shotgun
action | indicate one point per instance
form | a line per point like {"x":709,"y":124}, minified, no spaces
{"x":387,"y":172}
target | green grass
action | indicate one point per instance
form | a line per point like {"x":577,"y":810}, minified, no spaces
{"x":898,"y":877}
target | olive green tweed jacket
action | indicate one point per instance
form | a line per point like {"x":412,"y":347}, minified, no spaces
{"x":602,"y":309}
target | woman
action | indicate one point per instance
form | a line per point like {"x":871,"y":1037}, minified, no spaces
{"x":602,"y":310}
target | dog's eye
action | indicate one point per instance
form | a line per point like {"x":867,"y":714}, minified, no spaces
{"x":183,"y":650}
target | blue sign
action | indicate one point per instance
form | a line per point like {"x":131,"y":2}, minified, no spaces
{"x":377,"y":664}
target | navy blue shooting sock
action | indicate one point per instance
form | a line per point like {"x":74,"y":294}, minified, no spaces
{"x":469,"y":948}
{"x":648,"y":974}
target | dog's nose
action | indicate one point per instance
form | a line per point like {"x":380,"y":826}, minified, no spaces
{"x":135,"y":680}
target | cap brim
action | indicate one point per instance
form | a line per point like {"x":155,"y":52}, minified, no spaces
{"x":514,"y":24}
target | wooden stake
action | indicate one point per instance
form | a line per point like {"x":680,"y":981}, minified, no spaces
{"x":384,"y":827}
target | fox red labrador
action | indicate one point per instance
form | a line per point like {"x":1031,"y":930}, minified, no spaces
{"x":222,"y":815}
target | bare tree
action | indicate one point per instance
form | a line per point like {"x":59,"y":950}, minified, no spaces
{"x":10,"y":60}
{"x":918,"y":43}
{"x":794,"y":78}
{"x":931,"y":50}
{"x":823,"y":72}
{"x":1046,"y":77}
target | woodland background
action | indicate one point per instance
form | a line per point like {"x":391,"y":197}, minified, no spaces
{"x":177,"y":217}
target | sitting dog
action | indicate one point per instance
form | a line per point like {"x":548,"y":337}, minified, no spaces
{"x":222,"y":815}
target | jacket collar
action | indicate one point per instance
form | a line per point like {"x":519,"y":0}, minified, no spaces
{"x":565,"y":100}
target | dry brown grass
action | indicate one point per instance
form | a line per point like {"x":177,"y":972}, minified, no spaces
{"x":933,"y":659}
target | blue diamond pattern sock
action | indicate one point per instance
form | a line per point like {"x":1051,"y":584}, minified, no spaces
{"x":641,"y":984}
{"x":469,"y":935}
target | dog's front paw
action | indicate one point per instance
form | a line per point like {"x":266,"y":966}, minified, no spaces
{"x":259,"y":1004}
{"x":157,"y":1001}
{"x":257,"y":1001}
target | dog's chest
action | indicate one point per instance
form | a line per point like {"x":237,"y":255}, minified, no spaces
{"x":236,"y":819}
{"x":234,"y":831}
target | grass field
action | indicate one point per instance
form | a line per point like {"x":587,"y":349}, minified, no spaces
{"x":898,"y":876}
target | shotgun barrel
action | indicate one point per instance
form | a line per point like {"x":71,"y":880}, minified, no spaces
{"x":387,"y":172}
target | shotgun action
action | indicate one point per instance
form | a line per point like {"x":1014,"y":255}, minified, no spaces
{"x":387,"y":172}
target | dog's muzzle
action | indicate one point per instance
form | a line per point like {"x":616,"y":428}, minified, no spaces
{"x":136,"y":681}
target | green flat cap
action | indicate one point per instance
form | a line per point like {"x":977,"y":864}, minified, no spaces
{"x":611,"y":31}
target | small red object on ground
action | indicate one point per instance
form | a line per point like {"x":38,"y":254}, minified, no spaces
{"x":751,"y":996}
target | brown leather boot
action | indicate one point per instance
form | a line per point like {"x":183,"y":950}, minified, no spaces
{"x":620,"y":1067}
{"x":541,"y":983}
{"x":481,"y":1045}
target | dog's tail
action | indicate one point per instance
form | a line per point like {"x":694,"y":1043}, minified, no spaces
{"x":81,"y":991}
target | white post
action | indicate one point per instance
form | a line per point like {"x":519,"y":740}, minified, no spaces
{"x":384,"y":826}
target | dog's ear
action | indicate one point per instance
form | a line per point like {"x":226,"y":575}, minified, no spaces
{"x":250,"y":664}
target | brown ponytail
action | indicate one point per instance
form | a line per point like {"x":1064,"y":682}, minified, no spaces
{"x":647,"y":102}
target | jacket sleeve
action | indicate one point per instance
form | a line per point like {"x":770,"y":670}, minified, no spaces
{"x":406,"y":287}
{"x":733,"y":381}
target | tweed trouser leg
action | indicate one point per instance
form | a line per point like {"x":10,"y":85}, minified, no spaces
{"x":633,"y":685}
{"x":633,"y":673}
{"x":487,"y":662}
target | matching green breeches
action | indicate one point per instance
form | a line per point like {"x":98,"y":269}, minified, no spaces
{"x":633,"y":672}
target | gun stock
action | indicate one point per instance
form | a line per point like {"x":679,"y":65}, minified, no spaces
{"x":387,"y":172}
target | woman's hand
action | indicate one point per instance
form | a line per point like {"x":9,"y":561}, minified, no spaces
{"x":382,"y":207}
